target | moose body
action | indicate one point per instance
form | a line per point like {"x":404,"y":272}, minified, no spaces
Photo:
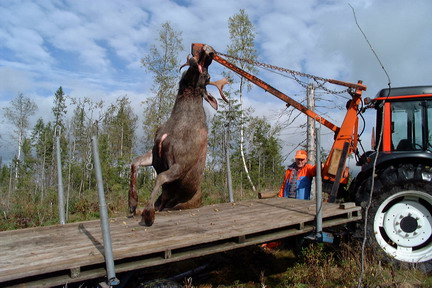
{"x":180,"y":146}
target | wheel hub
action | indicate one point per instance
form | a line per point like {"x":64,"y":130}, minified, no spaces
{"x":409,"y":224}
{"x":403,"y":226}
{"x":406,"y":223}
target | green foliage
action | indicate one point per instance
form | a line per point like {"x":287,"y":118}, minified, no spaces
{"x":28,"y":185}
{"x":262,"y":150}
{"x":242,"y":45}
{"x":59,"y":109}
{"x":18,"y":113}
{"x":321,"y":265}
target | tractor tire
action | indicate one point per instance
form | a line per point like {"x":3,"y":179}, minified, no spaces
{"x":399,"y":220}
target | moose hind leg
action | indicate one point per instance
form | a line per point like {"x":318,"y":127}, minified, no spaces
{"x":143,"y":160}
{"x":148,"y":214}
{"x":194,"y":202}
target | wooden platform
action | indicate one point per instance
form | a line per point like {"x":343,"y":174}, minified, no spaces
{"x":61,"y":254}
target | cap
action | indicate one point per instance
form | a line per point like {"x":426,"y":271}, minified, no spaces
{"x":301,"y":154}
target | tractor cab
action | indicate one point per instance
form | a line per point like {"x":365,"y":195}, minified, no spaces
{"x":405,"y":115}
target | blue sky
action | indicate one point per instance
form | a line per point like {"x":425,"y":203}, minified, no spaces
{"x":93,"y":48}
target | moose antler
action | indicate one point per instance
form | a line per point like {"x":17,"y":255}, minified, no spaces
{"x":220,"y":84}
{"x":186,"y":64}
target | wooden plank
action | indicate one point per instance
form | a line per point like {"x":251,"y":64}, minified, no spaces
{"x":347,"y":205}
{"x":65,"y":249}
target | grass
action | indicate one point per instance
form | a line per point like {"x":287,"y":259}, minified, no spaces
{"x":316,"y":265}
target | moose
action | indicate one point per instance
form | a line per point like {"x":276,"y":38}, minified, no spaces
{"x":180,"y":144}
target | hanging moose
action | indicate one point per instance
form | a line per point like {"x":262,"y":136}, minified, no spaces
{"x":180,"y":144}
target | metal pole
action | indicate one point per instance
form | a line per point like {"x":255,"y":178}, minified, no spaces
{"x":320,"y":235}
{"x":318,"y":183}
{"x":109,"y":260}
{"x":311,"y":147}
{"x":61,"y":206}
{"x":228,"y":167}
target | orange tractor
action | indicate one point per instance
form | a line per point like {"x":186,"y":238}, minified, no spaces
{"x":394,"y":185}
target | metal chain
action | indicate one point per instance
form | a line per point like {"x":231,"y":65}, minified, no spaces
{"x":93,"y":130}
{"x":89,"y":156}
{"x":319,"y":80}
{"x":57,"y":130}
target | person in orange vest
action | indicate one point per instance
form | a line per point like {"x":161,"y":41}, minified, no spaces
{"x":298,"y":178}
{"x":296,"y":184}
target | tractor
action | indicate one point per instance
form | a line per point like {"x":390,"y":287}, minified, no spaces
{"x":394,"y":186}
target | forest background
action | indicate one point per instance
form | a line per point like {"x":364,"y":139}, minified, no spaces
{"x":57,"y":78}
{"x":244,"y":153}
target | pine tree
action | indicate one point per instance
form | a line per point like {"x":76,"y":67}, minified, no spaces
{"x":117,"y":139}
{"x":59,"y":109}
{"x":42,"y":138}
{"x":265,"y":153}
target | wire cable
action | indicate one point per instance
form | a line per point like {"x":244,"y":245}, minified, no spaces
{"x":375,"y":159}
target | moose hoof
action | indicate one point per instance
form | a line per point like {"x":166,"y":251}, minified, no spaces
{"x":132,"y":211}
{"x":148,"y":217}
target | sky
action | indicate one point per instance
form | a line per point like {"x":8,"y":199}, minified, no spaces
{"x":93,"y":49}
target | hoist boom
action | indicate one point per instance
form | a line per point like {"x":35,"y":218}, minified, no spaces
{"x":267,"y":87}
{"x":346,"y":136}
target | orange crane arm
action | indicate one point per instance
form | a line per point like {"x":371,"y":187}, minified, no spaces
{"x":346,"y":136}
{"x":277,"y":93}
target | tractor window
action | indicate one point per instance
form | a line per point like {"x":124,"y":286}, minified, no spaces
{"x":407,"y":125}
{"x":399,"y":123}
{"x":429,"y":125}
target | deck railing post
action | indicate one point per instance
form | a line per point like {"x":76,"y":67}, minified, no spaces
{"x":109,"y":260}
{"x":320,"y":235}
{"x":318,"y":182}
{"x":61,"y":206}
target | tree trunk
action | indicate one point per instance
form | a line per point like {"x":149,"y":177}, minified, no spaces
{"x":242,"y":138}
{"x":228,"y":166}
{"x":20,"y":141}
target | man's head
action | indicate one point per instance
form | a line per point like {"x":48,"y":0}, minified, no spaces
{"x":301,"y":158}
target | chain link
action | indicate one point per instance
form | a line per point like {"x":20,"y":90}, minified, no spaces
{"x":93,"y":131}
{"x":319,"y":80}
{"x":89,"y":160}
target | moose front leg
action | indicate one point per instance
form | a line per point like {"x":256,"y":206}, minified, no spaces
{"x":172,"y":174}
{"x":143,"y":160}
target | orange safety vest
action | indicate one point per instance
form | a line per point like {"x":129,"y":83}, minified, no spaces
{"x":304,"y":181}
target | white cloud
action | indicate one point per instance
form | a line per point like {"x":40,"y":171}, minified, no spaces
{"x":93,"y":48}
{"x":14,"y":81}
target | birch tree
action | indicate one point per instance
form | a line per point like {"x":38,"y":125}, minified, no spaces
{"x":162,"y":62}
{"x":242,"y":38}
{"x":18,"y":114}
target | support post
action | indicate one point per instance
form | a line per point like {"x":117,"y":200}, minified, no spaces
{"x":318,"y":185}
{"x":109,"y":260}
{"x":320,"y":235}
{"x":311,"y":147}
{"x":60,"y":190}
{"x":228,"y":166}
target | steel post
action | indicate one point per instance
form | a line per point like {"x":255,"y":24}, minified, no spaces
{"x":318,"y":183}
{"x":61,"y":206}
{"x":109,"y":260}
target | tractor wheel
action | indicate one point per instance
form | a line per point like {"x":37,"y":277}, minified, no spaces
{"x":399,"y":221}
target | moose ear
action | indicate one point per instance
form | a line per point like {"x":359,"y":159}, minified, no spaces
{"x":210,"y":99}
